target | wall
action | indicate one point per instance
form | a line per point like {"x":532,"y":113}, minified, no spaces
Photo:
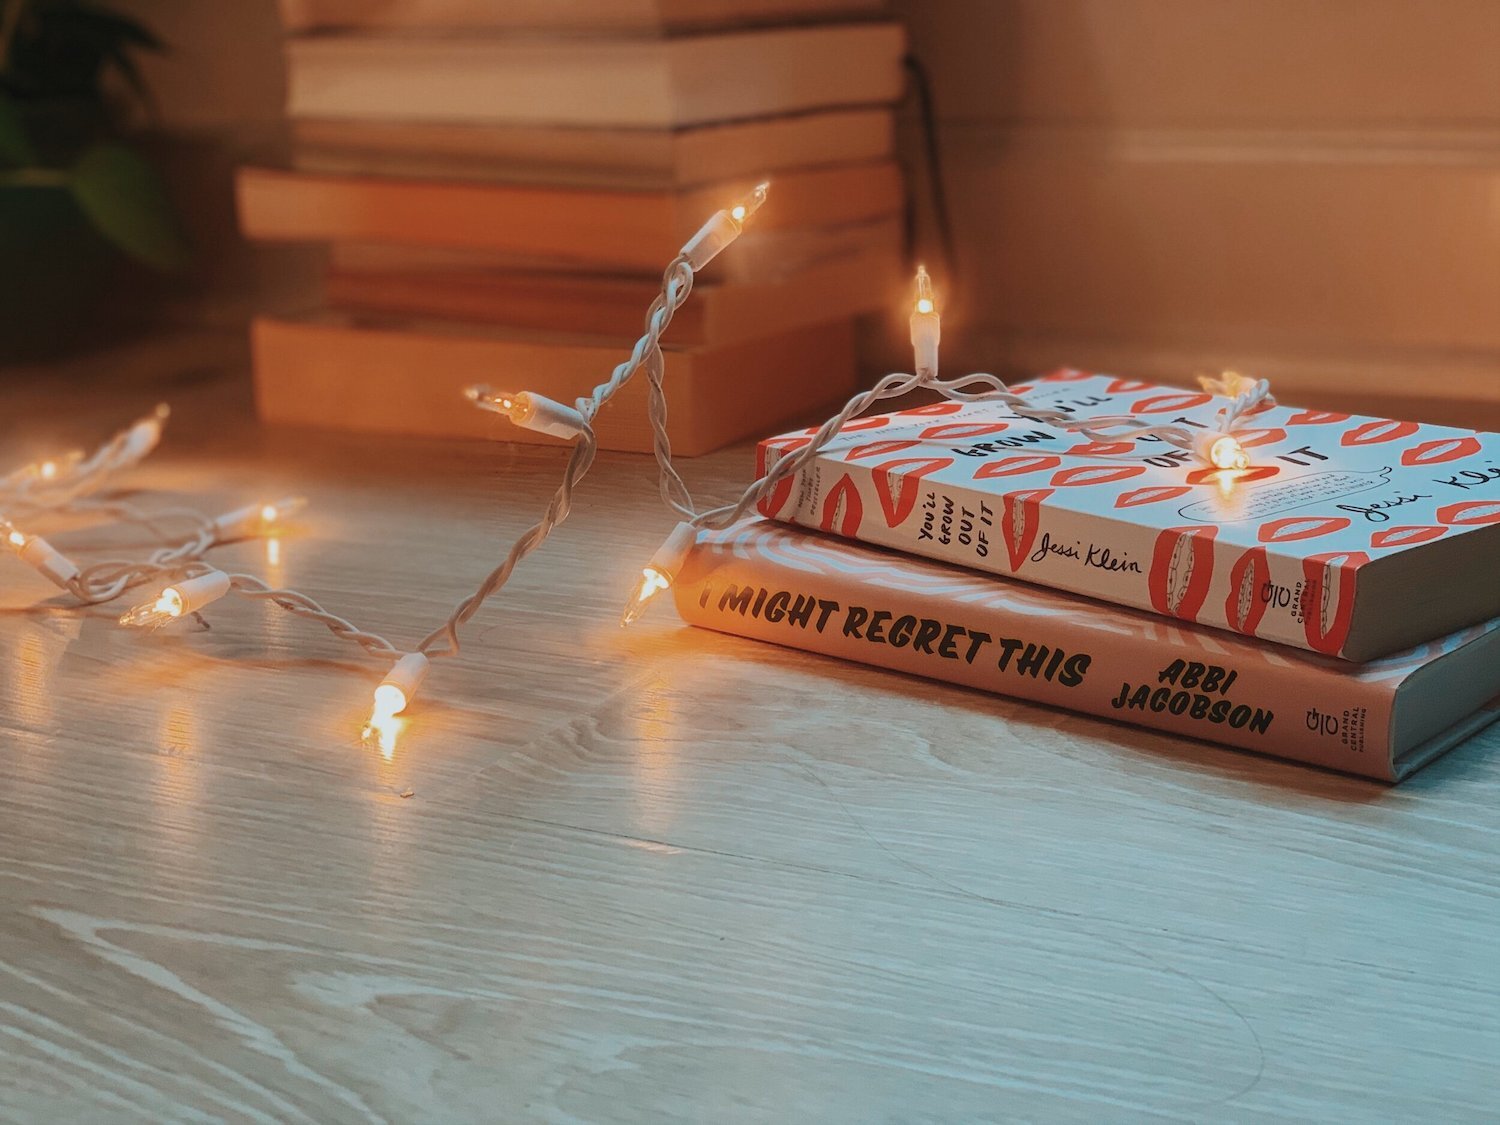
{"x":1309,"y":191}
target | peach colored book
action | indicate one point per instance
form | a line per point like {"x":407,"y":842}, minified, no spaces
{"x":608,"y":229}
{"x":1383,"y":720}
{"x":719,"y":314}
{"x":1349,"y":536}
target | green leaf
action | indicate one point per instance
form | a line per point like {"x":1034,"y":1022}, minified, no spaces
{"x":15,"y":145}
{"x":124,"y":199}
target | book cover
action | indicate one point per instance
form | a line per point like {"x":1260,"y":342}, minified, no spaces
{"x":1348,"y":536}
{"x":1381,"y":720}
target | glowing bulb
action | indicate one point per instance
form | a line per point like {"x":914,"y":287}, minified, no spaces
{"x":281,"y":510}
{"x":178,"y":600}
{"x":48,"y":470}
{"x":390,"y":701}
{"x":752,"y":203}
{"x":659,"y":574}
{"x":925,"y":300}
{"x":926,"y":327}
{"x":15,"y":538}
{"x":396,"y":690}
{"x":530,"y":411}
{"x":257,"y":519}
{"x":722,"y":228}
{"x":1221,"y":450}
{"x":1227,"y":453}
{"x":652,"y":582}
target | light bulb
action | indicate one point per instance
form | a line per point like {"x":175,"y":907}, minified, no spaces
{"x":745,"y":209}
{"x":723,"y":228}
{"x":396,"y":690}
{"x":280,"y":511}
{"x":177,"y":601}
{"x":40,"y":555}
{"x":257,"y":519}
{"x":143,"y":437}
{"x":530,"y":411}
{"x":652,"y":582}
{"x":659,"y":574}
{"x":390,"y":701}
{"x":1221,"y":450}
{"x":925,"y":302}
{"x":926,"y":327}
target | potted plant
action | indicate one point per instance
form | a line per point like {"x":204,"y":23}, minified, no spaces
{"x":75,"y":197}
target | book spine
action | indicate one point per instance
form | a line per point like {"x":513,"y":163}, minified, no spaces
{"x":871,"y":613}
{"x":1005,"y":526}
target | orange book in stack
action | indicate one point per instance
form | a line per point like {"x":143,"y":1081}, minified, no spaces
{"x":500,"y":187}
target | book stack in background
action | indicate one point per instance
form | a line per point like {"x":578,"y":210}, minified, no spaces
{"x":500,"y":186}
{"x":1336,"y":603}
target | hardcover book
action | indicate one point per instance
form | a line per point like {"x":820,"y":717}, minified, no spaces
{"x":1348,"y":536}
{"x":1382,"y":720}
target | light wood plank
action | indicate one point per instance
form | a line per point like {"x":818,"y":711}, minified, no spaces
{"x":658,"y":874}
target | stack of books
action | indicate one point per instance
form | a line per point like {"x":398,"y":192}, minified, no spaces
{"x":501,"y":185}
{"x":1336,"y":603}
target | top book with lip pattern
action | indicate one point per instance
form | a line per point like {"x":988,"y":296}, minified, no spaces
{"x":1349,"y":536}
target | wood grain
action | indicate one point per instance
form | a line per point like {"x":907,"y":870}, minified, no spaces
{"x":659,"y":874}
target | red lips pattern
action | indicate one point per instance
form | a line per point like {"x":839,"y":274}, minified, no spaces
{"x":1293,"y":528}
{"x":1163,"y":404}
{"x":1328,"y":598}
{"x":1249,"y":439}
{"x":1316,"y":418}
{"x":896,"y":484}
{"x":1182,"y":569}
{"x":1013,"y":466}
{"x":1440,"y":450}
{"x":1405,"y":536}
{"x":1469,"y":513}
{"x":874,"y":422}
{"x":1235,"y":476}
{"x":1243,"y":606}
{"x":1089,"y":475}
{"x":878,"y":449}
{"x":1100,"y":449}
{"x":932,"y":408}
{"x":958,"y":430}
{"x":1151,"y":494}
{"x":842,"y":509}
{"x":1020,"y":521}
{"x":772,"y":502}
{"x":1378,"y":430}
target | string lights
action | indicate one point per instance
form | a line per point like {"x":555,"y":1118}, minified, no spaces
{"x":187,"y":584}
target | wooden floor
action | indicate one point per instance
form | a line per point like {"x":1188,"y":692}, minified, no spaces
{"x":658,"y":874}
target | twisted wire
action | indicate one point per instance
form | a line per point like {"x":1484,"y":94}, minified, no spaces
{"x":300,"y":605}
{"x":677,"y":284}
